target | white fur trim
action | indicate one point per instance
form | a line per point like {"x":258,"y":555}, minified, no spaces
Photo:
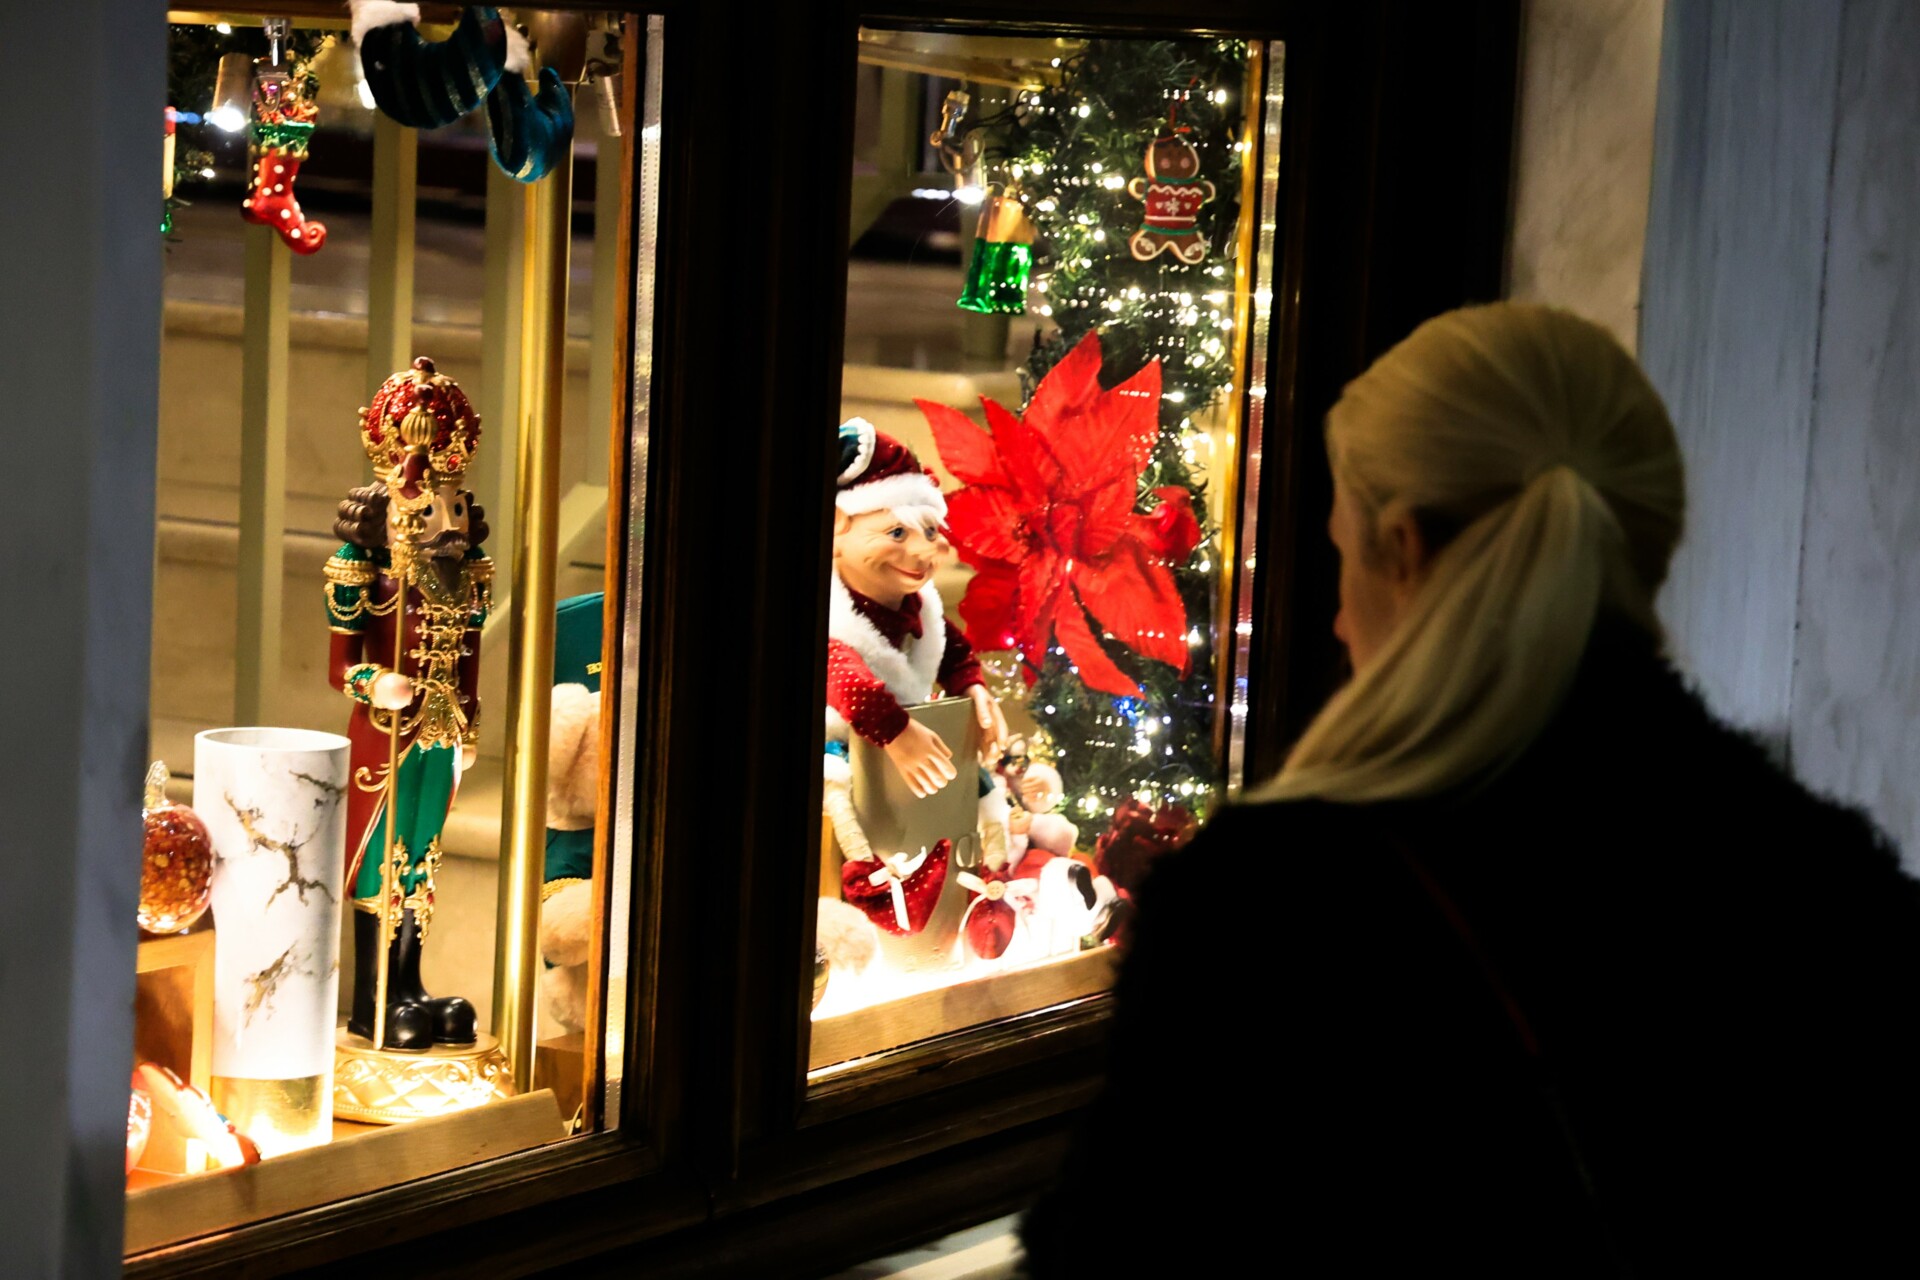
{"x":573,"y":758}
{"x":519,"y":56}
{"x":1053,"y":832}
{"x":846,"y":935}
{"x":868,"y":435}
{"x":907,"y":492}
{"x":566,"y":924}
{"x":368,"y":14}
{"x":563,"y":993}
{"x":908,"y":674}
{"x":835,"y":769}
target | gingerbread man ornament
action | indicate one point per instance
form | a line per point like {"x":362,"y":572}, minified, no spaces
{"x":1173,"y":192}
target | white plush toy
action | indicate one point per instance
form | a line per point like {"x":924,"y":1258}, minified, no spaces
{"x":1070,"y":906}
{"x":566,"y":908}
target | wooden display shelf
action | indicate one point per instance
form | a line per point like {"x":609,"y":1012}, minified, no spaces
{"x":923,"y":1015}
{"x":165,"y":1210}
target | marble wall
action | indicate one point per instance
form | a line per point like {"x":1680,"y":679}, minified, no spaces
{"x":1735,"y":252}
{"x":1855,"y":721}
{"x":1583,"y":156}
{"x":82,"y":271}
{"x":1783,"y":254}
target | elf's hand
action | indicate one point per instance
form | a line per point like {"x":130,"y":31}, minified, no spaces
{"x":391,"y":691}
{"x":993,"y":725}
{"x":922,"y":759}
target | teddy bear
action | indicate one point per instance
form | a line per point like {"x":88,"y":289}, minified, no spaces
{"x":573,"y":799}
{"x":566,"y":900}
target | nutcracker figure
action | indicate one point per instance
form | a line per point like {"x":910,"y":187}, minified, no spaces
{"x":407,"y":595}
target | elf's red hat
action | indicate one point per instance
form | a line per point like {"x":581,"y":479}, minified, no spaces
{"x":878,"y":473}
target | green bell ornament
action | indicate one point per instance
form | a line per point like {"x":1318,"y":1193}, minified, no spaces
{"x":1002,"y":259}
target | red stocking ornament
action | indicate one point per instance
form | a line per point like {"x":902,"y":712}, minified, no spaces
{"x":897,"y":891}
{"x":277,"y":145}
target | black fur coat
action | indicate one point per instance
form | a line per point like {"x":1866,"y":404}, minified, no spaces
{"x":1312,"y":1072}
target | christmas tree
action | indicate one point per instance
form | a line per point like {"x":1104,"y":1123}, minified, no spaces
{"x":1071,"y":150}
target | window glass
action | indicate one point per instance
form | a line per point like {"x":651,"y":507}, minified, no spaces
{"x":1054,"y":380}
{"x":397,"y":423}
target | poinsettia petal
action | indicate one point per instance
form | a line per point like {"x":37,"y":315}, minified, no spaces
{"x":1063,"y":529}
{"x":1029,"y":463}
{"x":1040,"y":585}
{"x":987,"y":608}
{"x":983,"y":524}
{"x":1096,"y":670}
{"x":1176,"y":531}
{"x":965,"y":450}
{"x":1134,"y":406}
{"x":1068,"y":387}
{"x":1133,"y":596}
{"x":1109,"y":515}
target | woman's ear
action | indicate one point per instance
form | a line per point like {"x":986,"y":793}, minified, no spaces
{"x":1405,"y":554}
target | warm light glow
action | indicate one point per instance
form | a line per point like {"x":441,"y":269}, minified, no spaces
{"x":227,"y":119}
{"x":969,"y":194}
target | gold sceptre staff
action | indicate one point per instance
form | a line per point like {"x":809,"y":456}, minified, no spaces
{"x":399,"y":560}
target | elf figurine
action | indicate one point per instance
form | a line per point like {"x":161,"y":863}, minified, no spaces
{"x":889,"y":642}
{"x":411,"y":560}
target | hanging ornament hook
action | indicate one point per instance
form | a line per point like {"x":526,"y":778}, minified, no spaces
{"x":277,"y":30}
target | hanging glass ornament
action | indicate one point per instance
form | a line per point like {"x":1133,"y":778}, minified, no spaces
{"x":1002,"y":259}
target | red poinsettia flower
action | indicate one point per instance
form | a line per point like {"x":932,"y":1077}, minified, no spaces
{"x":1047,"y":519}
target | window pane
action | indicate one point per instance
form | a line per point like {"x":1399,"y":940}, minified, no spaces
{"x":357,"y":339}
{"x":1054,"y":355}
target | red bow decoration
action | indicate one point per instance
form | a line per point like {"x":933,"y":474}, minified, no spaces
{"x":1046,"y":518}
{"x":898,"y":891}
{"x":988,"y":924}
{"x":1137,"y":835}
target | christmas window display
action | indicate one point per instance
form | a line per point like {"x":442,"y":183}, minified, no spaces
{"x":1038,"y":609}
{"x":375,"y":882}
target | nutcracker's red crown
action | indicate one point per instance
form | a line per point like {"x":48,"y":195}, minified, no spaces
{"x":420,"y":427}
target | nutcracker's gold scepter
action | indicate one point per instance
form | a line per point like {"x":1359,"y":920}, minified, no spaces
{"x":399,"y":558}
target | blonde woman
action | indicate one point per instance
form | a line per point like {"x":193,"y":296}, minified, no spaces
{"x":1524,"y":964}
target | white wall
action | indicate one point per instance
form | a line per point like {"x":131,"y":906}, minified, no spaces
{"x":80,"y":279}
{"x":1583,"y":156}
{"x":1783,"y":254}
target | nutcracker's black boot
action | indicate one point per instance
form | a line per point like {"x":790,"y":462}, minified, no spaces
{"x":453,"y":1017}
{"x":409,"y":1023}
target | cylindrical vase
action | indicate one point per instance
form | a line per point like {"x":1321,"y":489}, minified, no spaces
{"x":275,"y":805}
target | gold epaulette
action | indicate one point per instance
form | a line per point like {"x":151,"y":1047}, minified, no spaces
{"x":350,"y":573}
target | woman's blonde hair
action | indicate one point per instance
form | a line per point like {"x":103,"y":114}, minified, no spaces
{"x":1529,"y":448}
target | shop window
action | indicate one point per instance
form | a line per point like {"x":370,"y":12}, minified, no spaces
{"x":1053,"y":392}
{"x":386,"y":905}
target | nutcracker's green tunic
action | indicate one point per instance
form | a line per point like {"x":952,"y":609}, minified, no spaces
{"x":443,"y":614}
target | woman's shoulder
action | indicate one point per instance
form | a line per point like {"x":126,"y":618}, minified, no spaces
{"x":1256,"y":852}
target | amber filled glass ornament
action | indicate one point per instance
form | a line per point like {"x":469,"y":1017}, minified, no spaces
{"x":176,"y":862}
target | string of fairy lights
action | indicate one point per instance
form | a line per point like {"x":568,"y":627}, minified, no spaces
{"x":1067,"y":150}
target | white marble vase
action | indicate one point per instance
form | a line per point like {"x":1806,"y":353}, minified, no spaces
{"x":275,"y":804}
